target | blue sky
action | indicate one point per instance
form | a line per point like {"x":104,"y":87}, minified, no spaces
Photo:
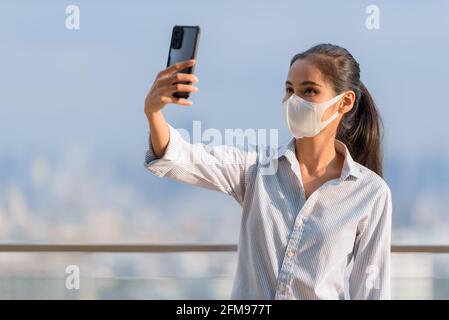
{"x":62,"y":89}
{"x":58,"y":85}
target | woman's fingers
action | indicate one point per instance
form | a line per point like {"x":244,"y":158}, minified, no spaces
{"x":167,"y":94}
{"x":179,"y":87}
{"x":183,"y":102}
{"x":169,"y":81}
{"x":178,"y":66}
{"x":175,"y":78}
{"x":180,"y":101}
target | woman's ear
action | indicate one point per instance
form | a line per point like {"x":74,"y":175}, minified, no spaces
{"x":347,"y":101}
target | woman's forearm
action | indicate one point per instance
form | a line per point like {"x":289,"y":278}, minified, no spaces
{"x":160,"y":133}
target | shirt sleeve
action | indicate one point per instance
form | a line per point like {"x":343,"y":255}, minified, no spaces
{"x":220,"y":168}
{"x":370,"y":275}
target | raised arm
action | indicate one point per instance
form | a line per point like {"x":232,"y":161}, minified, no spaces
{"x":220,"y":168}
{"x":160,"y":94}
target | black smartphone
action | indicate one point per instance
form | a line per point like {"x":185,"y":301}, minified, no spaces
{"x":183,"y":46}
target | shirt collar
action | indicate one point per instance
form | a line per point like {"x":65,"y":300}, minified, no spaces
{"x":350,"y":167}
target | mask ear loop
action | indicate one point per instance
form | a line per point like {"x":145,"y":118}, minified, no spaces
{"x":335,"y":115}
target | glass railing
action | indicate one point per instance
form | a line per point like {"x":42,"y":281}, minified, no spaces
{"x":177,"y":271}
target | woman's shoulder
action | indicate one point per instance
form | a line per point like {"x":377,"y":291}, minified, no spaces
{"x":375,"y":181}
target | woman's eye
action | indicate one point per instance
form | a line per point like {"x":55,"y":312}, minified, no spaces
{"x":289,"y":90}
{"x":310,"y":91}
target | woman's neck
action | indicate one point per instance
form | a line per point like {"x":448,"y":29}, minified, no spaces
{"x":317,"y":154}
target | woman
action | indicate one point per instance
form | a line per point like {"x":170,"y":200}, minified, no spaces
{"x":326,"y":206}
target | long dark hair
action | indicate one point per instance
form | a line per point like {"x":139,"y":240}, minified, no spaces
{"x":360,"y":128}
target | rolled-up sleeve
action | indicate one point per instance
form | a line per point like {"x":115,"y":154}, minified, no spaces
{"x":370,"y":275}
{"x":220,"y":168}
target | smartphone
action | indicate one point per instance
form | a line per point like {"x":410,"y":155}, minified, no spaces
{"x":183,"y":46}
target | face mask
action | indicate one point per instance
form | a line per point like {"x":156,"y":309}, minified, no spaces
{"x":304,"y":117}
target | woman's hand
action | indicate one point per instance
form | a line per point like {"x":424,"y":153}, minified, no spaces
{"x":167,"y":83}
{"x":161,"y":93}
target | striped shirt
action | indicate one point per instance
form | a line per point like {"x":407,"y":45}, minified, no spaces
{"x":290,"y":246}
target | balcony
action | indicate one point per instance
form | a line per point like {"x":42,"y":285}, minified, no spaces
{"x":175,"y":271}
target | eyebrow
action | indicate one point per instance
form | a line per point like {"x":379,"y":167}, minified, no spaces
{"x":305,"y":83}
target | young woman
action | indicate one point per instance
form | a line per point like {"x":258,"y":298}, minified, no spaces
{"x":324,"y":208}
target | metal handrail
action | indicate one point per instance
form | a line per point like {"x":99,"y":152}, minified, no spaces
{"x":118,"y":248}
{"x":173,"y":248}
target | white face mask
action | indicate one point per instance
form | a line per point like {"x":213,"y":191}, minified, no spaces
{"x":304,"y":117}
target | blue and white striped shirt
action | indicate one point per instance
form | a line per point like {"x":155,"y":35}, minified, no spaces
{"x":291,"y":247}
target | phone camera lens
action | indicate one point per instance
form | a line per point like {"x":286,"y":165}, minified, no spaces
{"x":177,"y":38}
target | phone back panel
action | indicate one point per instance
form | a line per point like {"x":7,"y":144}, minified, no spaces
{"x":183,"y":46}
{"x":188,"y":45}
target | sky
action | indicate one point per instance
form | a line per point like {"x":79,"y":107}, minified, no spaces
{"x":71,"y":101}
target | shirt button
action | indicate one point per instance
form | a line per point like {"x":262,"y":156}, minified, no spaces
{"x":290,"y":254}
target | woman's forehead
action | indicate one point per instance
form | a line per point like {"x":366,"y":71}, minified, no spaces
{"x":305,"y":70}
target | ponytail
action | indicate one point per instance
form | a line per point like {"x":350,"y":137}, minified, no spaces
{"x":361,"y":129}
